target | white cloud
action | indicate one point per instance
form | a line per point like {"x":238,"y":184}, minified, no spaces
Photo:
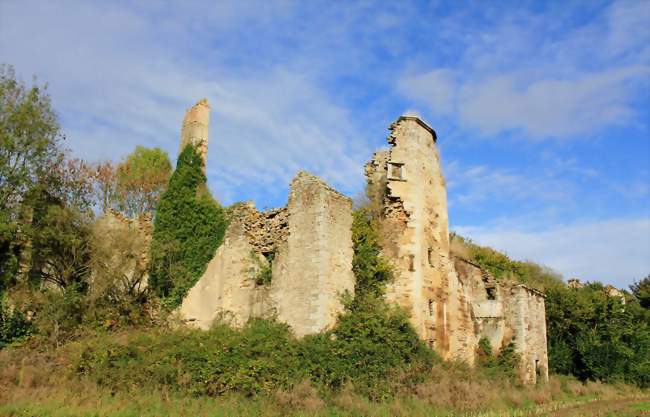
{"x":121,"y":76}
{"x":436,"y":86}
{"x":522,"y":75}
{"x":615,"y":251}
{"x":471,"y":185}
{"x":550,"y":107}
{"x":538,"y":107}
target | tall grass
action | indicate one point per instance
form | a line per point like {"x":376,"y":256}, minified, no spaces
{"x":47,"y":382}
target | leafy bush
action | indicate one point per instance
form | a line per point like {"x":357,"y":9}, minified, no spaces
{"x":595,"y":336}
{"x":60,"y":313}
{"x":484,"y":351}
{"x":188,"y":228}
{"x":258,"y":358}
{"x":261,"y":357}
{"x":504,"y":364}
{"x":370,"y":342}
{"x":265,"y":274}
{"x":13,"y":324}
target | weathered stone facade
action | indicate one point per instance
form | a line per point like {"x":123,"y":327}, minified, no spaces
{"x":307,"y":245}
{"x":295,"y":262}
{"x":504,"y":313}
{"x":416,"y":238}
{"x":452,"y":302}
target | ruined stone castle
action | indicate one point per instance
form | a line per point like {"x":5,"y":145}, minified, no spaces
{"x":295,"y":262}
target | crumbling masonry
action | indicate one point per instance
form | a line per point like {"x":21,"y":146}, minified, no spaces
{"x":305,"y":249}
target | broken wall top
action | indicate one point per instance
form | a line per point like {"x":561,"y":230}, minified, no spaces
{"x":267,"y":230}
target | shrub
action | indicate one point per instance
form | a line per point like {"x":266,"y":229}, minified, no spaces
{"x":504,"y":364}
{"x":13,"y":324}
{"x":370,"y":342}
{"x":60,"y":313}
{"x":265,"y":274}
{"x":484,"y":351}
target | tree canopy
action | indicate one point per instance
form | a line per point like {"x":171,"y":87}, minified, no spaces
{"x":141,"y":180}
{"x":29,"y":137}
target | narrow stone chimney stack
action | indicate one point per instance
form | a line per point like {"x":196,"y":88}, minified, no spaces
{"x":195,"y":128}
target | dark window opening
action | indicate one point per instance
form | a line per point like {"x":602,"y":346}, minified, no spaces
{"x":491,"y":293}
{"x":432,"y":308}
{"x":490,"y":287}
{"x":430,"y":257}
{"x":411,"y":263}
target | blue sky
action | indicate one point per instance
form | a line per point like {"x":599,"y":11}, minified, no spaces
{"x":542,"y":109}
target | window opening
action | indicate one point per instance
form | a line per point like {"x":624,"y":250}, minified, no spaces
{"x":396,"y":171}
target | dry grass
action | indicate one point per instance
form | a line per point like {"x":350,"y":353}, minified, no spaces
{"x":459,"y":249}
{"x":44,"y":384}
{"x":302,"y":396}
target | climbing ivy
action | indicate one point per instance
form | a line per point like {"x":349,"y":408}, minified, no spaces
{"x":189,"y":226}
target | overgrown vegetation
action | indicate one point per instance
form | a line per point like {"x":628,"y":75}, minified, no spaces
{"x":265,"y":274}
{"x":188,"y":228}
{"x":594,"y":336}
{"x":502,"y":267}
{"x":591,"y":334}
{"x":14,"y":325}
{"x":370,"y":342}
{"x":371,"y":271}
{"x":75,"y":310}
{"x":503,"y":364}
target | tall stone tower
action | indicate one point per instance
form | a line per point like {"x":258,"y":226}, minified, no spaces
{"x":407,"y":183}
{"x":195,"y":128}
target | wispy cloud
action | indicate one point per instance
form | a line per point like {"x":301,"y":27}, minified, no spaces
{"x":126,"y":76}
{"x":474,"y":185}
{"x":307,"y":85}
{"x":614,"y":250}
{"x":513,"y":77}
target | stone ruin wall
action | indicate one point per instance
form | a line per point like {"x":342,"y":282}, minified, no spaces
{"x":505,"y":312}
{"x":416,"y":238}
{"x":526,"y":315}
{"x":112,"y":223}
{"x":311,"y":243}
{"x":453,"y":303}
{"x":195,"y":128}
{"x":313,"y":268}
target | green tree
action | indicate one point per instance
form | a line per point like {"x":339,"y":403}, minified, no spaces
{"x":641,"y":291}
{"x":189,"y":226}
{"x":29,"y":149}
{"x":595,"y":336}
{"x":141,"y":180}
{"x":29,"y":137}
